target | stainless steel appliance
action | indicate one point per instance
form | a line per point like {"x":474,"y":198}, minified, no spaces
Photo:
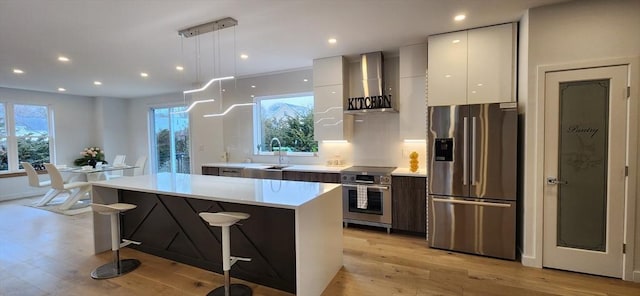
{"x":473,"y":178}
{"x":376,"y":182}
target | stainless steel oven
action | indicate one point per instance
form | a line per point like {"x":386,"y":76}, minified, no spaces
{"x":374,"y":184}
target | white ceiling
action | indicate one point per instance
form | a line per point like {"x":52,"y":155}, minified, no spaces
{"x":113,"y":41}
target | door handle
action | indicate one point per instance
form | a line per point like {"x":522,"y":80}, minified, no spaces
{"x":465,"y":151}
{"x":555,"y":181}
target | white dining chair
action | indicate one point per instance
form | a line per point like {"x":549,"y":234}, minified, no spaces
{"x":76,"y":190}
{"x":117,"y":161}
{"x":34,"y":181}
{"x":140,"y":165}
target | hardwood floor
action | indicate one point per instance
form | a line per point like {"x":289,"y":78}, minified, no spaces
{"x":43,"y":253}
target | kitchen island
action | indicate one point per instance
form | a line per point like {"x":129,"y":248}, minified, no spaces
{"x":294,"y":234}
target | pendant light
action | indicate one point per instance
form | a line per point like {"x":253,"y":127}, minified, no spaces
{"x":196,"y":31}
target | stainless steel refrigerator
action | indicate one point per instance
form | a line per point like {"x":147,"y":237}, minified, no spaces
{"x":473,"y":178}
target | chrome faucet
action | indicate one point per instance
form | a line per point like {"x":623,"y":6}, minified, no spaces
{"x":279,"y":150}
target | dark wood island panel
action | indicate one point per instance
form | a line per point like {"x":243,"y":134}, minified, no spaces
{"x":169,"y":227}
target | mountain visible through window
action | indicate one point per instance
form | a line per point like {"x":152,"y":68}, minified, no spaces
{"x":287,"y":118}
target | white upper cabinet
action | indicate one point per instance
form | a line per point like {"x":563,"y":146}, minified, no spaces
{"x":329,"y":71}
{"x":330,"y":80}
{"x":473,"y":67}
{"x":412,"y":92}
{"x":447,"y":83}
{"x":413,"y":60}
{"x":490,"y":65}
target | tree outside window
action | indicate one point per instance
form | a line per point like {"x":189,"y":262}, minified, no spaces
{"x":30,"y":135}
{"x":288,"y":118}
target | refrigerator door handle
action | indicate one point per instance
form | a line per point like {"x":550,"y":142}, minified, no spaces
{"x":465,"y":151}
{"x":475,"y":203}
{"x":473,"y":151}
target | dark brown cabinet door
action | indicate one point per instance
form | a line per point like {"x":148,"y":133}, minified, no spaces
{"x":409,"y":196}
{"x":212,"y":171}
{"x":311,"y":176}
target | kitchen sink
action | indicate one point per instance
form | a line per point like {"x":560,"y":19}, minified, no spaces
{"x":276,"y":167}
{"x":272,"y":172}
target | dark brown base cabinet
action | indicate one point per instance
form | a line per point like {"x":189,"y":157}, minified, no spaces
{"x":211,"y":171}
{"x":311,"y":176}
{"x":409,"y":207}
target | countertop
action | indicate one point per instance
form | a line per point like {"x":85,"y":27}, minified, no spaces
{"x":405,"y":172}
{"x":261,"y":192}
{"x":292,"y":167}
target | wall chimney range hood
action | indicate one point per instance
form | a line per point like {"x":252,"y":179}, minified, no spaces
{"x":371,"y":97}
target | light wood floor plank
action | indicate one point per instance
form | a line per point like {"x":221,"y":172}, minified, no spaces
{"x":43,"y":253}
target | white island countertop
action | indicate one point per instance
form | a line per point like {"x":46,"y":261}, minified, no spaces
{"x":261,"y":192}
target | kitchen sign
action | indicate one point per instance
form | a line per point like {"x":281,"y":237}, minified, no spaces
{"x":368,"y":103}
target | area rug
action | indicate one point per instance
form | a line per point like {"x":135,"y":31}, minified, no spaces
{"x":82,"y":206}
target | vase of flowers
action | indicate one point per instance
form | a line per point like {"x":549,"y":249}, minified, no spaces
{"x":90,"y":156}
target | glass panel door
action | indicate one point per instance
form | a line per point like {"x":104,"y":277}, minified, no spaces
{"x":582,"y":159}
{"x":171,"y":143}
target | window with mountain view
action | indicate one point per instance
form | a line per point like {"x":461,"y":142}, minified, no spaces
{"x":29,"y":139}
{"x":289,"y":118}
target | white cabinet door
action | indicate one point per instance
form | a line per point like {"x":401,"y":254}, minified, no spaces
{"x":490,"y":65}
{"x":447,"y":84}
{"x":413,"y":108}
{"x":328,"y":71}
{"x":328,"y":117}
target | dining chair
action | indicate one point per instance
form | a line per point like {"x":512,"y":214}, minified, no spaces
{"x":140,"y":165}
{"x":117,"y":161}
{"x":76,"y":190}
{"x":34,"y":181}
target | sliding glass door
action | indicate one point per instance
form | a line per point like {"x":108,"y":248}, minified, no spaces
{"x":170,"y":140}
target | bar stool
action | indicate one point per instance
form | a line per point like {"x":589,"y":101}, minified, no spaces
{"x":117,"y":267}
{"x":225,"y":220}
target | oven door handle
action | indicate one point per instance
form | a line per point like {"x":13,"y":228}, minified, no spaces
{"x":368,"y":186}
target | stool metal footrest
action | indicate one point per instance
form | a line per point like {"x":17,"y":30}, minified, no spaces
{"x":234,"y":290}
{"x":110,"y":270}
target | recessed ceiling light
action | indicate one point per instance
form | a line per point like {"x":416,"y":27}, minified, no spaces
{"x":62,"y":89}
{"x":224,"y":90}
{"x":305,"y":80}
{"x":63,"y":59}
{"x":456,"y":41}
{"x":332,"y":41}
{"x":244,"y":56}
{"x":252,"y":96}
{"x":18,"y":71}
{"x":143,"y":74}
{"x":333,"y":92}
{"x":447,"y":76}
{"x":459,"y":17}
{"x":479,"y":84}
{"x":179,"y":68}
{"x":473,"y":92}
{"x":97,"y":82}
{"x":253,"y":86}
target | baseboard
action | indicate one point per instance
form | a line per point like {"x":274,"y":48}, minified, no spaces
{"x":636,"y":276}
{"x":530,"y":261}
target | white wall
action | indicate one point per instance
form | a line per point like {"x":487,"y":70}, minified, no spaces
{"x":112,"y":119}
{"x":572,"y":32}
{"x":74,"y":129}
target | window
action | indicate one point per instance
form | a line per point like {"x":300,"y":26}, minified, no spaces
{"x":288,"y":118}
{"x":24,"y":135}
{"x":171,"y":140}
{"x":4,"y":159}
